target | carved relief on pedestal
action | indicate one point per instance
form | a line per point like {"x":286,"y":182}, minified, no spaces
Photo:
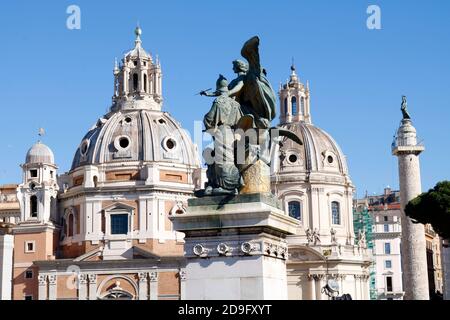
{"x":183,"y":275}
{"x":248,"y":247}
{"x":200,"y":251}
{"x":223,"y":249}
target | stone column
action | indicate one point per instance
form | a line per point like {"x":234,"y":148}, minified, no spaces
{"x":6,"y":265}
{"x":92,"y":286}
{"x":153,"y":285}
{"x":182,"y":284}
{"x":82,"y":286}
{"x":52,"y":287}
{"x":318,"y":286}
{"x":143,"y":286}
{"x":362,"y":287}
{"x":413,"y":244}
{"x":312,"y":287}
{"x":357,"y":287}
{"x":341,"y":279}
{"x":42,"y":292}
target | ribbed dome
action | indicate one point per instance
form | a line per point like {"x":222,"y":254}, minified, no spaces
{"x":136,"y":135}
{"x":40,"y":153}
{"x":319,"y":152}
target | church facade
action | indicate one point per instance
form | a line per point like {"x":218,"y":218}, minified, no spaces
{"x":102,"y":230}
{"x":313,"y":183}
{"x":107,"y":220}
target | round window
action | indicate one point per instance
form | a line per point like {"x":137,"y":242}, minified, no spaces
{"x":124,"y":142}
{"x":169,"y":144}
{"x":330,"y":159}
{"x":292,"y":158}
{"x":84,"y":147}
{"x":128,"y":120}
{"x":121,"y":143}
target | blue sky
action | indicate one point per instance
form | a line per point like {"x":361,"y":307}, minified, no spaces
{"x":62,"y":80}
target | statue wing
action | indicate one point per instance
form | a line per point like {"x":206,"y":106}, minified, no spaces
{"x":250,"y":51}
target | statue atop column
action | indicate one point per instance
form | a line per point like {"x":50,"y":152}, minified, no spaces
{"x":404,"y":109}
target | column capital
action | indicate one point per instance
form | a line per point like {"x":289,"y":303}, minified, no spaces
{"x":82,"y":278}
{"x":52,"y":279}
{"x":153,"y":276}
{"x":92,"y":278}
{"x":143,"y":276}
{"x":42,"y":279}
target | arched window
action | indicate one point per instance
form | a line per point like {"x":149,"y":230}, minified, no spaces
{"x":135,"y":82}
{"x":285,"y":106}
{"x":335,"y":213}
{"x":33,"y":207}
{"x":70,"y":226}
{"x":294,"y":106}
{"x":294,"y":208}
{"x":145,"y":82}
{"x":302,"y":105}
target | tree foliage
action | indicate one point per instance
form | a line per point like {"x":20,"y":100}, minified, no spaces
{"x":433,"y":207}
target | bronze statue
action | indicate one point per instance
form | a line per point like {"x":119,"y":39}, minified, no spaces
{"x":239,"y":121}
{"x":404,"y":108}
{"x":222,"y":173}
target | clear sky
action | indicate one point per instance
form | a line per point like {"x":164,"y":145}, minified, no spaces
{"x":61,"y":79}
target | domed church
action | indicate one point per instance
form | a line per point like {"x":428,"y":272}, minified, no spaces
{"x":106,"y":221}
{"x":103,"y":230}
{"x":313,"y":184}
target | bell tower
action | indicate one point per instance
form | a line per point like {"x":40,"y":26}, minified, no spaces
{"x":36,"y":235}
{"x":137,"y":80}
{"x":294,"y":100}
{"x":38,"y":191}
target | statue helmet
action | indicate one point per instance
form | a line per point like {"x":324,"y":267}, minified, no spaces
{"x":222,"y":84}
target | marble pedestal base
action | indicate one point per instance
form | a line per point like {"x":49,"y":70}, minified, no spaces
{"x":235,"y":247}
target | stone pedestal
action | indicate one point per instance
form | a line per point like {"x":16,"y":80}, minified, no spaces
{"x":235,"y":247}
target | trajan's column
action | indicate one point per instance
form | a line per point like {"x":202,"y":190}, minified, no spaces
{"x":414,"y":260}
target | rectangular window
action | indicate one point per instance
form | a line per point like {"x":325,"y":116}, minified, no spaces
{"x":386,"y":228}
{"x":28,"y":297}
{"x":29,"y":246}
{"x":51,"y":174}
{"x":119,"y":223}
{"x":389,"y":284}
{"x":29,"y":274}
{"x":335,"y":213}
{"x":33,"y":173}
{"x":294,"y":209}
{"x":386,"y":218}
{"x":388,"y":264}
{"x":387,"y":248}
